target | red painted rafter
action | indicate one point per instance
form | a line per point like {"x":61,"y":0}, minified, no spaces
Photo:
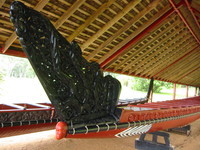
{"x":139,"y":36}
{"x":183,"y":19}
{"x":176,"y":61}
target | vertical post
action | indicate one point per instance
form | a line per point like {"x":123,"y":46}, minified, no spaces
{"x":195,"y":91}
{"x":174,"y":93}
{"x":150,"y":91}
{"x":187,"y":89}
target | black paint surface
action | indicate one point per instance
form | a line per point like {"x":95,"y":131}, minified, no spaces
{"x":77,"y":89}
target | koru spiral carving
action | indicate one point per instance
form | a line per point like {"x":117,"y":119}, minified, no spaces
{"x":77,"y":88}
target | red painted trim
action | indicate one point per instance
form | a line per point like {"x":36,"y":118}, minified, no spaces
{"x":12,"y":52}
{"x":176,"y":61}
{"x":191,"y":11}
{"x":184,"y":20}
{"x":139,"y":36}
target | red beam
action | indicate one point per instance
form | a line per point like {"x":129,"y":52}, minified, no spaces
{"x":176,"y":61}
{"x":191,"y":11}
{"x":13,"y":53}
{"x":183,"y":19}
{"x":137,"y":38}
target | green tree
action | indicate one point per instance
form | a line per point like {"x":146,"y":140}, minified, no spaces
{"x":142,"y":84}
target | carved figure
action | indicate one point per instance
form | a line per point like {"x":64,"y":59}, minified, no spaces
{"x":77,"y":89}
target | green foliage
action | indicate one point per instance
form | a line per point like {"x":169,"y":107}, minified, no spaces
{"x":142,"y":84}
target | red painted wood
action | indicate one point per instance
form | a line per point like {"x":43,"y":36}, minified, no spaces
{"x":13,"y":53}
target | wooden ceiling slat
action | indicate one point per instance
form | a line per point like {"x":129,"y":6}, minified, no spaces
{"x":183,"y":46}
{"x":13,"y":37}
{"x":188,"y":73}
{"x":152,"y":48}
{"x":182,"y":67}
{"x":6,"y":22}
{"x":171,"y":57}
{"x":143,"y":47}
{"x":183,"y":19}
{"x":65,"y":2}
{"x":182,"y":57}
{"x":164,"y":44}
{"x":90,"y":20}
{"x":193,"y":15}
{"x":185,"y":71}
{"x":111,"y":23}
{"x":4,"y":14}
{"x":68,"y":13}
{"x":127,"y":26}
{"x":2,"y":2}
{"x":163,"y":53}
{"x":130,"y":37}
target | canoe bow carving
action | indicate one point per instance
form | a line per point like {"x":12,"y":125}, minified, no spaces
{"x":77,"y":88}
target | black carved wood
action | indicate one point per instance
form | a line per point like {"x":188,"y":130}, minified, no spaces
{"x":77,"y":89}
